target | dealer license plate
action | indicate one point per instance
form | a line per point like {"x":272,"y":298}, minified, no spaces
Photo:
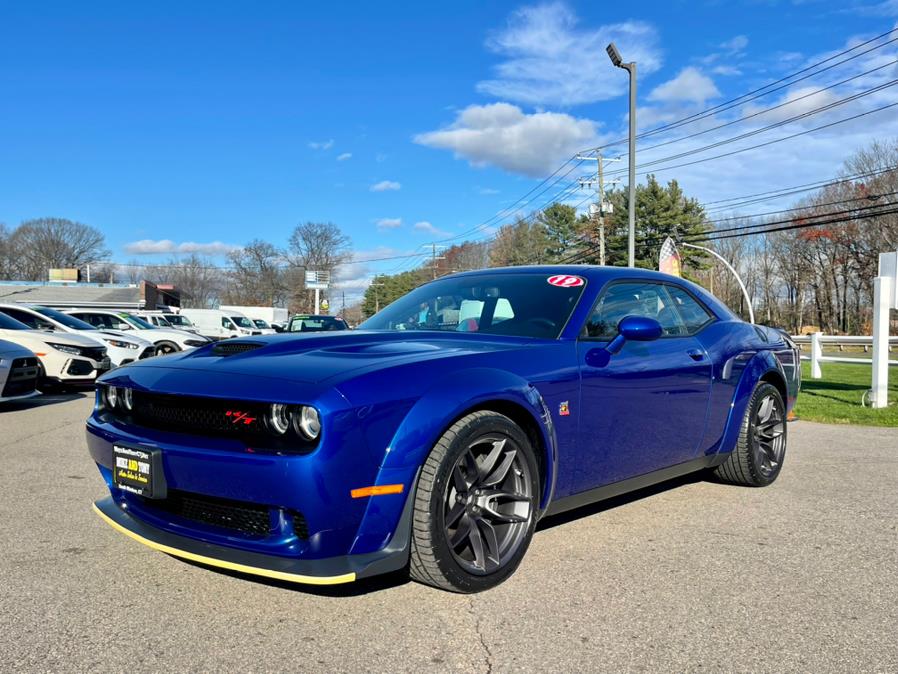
{"x":138,"y":471}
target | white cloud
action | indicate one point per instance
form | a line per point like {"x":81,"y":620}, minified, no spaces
{"x":386,"y":186}
{"x":487,"y":191}
{"x":322,"y":145}
{"x":736,"y":45}
{"x":726,"y":71}
{"x":688,"y":86}
{"x":167,"y":246}
{"x":549,"y":59}
{"x":428,"y":228}
{"x":344,"y":156}
{"x":501,"y":134}
{"x":384,"y":224}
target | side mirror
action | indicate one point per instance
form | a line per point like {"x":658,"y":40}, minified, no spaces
{"x":639,"y":329}
{"x":631,"y":328}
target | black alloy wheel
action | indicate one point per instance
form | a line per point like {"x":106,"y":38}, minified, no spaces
{"x":475,"y":506}
{"x":488,"y":504}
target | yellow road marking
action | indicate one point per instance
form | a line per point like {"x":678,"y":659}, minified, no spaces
{"x":211,"y":561}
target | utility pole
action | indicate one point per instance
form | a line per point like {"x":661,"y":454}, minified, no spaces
{"x":602,"y":207}
{"x":376,"y":285}
{"x":434,"y":258}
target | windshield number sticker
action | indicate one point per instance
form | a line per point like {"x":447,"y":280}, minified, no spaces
{"x":565,"y":281}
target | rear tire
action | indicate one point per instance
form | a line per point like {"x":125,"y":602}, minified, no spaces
{"x":758,"y":457}
{"x":475,"y":505}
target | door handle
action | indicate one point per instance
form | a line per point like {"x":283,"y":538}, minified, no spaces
{"x":696,"y":354}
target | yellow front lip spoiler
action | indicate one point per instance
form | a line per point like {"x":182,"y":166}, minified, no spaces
{"x":232,"y":566}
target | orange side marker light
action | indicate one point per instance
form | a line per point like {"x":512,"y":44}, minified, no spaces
{"x":377,"y":490}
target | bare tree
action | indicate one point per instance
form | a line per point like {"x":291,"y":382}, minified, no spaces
{"x":201,"y":282}
{"x":257,"y":275}
{"x":6,"y":265}
{"x":313,"y":246}
{"x":48,"y":243}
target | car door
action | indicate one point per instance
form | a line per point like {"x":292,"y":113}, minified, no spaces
{"x":646,"y":408}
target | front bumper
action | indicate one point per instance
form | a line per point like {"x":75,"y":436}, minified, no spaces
{"x":328,"y":571}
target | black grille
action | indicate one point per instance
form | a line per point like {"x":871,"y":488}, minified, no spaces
{"x":22,"y":378}
{"x":80,"y":368}
{"x":94,"y":353}
{"x":230,"y":348}
{"x":198,"y":415}
{"x":247,"y":518}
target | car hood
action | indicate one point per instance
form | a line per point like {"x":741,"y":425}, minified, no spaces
{"x":41,"y":337}
{"x":316,"y":358}
{"x":12,"y":350}
{"x":156,"y":334}
{"x":123,"y":336}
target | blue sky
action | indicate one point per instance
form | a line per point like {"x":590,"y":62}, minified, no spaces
{"x":199,"y":126}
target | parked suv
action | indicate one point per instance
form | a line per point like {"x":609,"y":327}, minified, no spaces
{"x":63,"y":359}
{"x":122,"y":349}
{"x":166,"y":340}
{"x":162,"y":319}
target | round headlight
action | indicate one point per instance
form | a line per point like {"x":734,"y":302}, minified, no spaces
{"x":279,"y":418}
{"x":127,"y":399}
{"x":111,"y":396}
{"x":309,"y":422}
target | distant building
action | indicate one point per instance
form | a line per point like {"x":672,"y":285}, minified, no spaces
{"x":118,"y":296}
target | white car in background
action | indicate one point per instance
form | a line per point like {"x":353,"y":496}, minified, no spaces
{"x":166,"y":340}
{"x":63,"y":359}
{"x":18,"y":372}
{"x":121,"y":348}
{"x":163,"y":319}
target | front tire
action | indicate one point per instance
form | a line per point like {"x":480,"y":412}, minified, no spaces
{"x":758,"y":457}
{"x":475,"y":505}
{"x":165,"y":348}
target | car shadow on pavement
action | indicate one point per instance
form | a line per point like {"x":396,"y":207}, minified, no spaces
{"x":388,"y":581}
{"x":43,"y":400}
{"x":615,"y":502}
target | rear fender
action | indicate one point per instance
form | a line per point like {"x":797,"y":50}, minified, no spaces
{"x":759,"y":365}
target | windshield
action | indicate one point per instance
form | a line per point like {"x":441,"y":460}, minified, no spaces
{"x":7,"y":323}
{"x":243,"y":322}
{"x":518,"y":305}
{"x":261,"y":324}
{"x":137,"y":322}
{"x":177,"y":319}
{"x":316,"y":324}
{"x":65,"y":319}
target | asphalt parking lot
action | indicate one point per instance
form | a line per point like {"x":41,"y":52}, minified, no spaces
{"x":692,"y":575}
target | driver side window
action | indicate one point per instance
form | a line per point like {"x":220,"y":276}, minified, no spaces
{"x":620,"y":300}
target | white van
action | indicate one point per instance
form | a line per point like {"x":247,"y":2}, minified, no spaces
{"x":219,"y":324}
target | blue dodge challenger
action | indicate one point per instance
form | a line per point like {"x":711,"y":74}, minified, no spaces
{"x":436,"y":436}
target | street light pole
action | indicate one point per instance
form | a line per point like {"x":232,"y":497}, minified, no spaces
{"x":616,"y":59}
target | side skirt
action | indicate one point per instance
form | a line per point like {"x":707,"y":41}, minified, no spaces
{"x":632,"y":484}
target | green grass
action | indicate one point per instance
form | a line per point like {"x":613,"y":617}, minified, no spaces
{"x":836,"y":399}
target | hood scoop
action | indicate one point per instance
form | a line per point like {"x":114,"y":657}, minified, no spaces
{"x":231,"y":348}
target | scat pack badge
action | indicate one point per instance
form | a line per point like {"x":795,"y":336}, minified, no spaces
{"x":564,"y":409}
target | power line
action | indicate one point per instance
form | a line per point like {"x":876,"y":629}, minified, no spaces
{"x":771,"y":142}
{"x":772,"y":108}
{"x":770,"y":127}
{"x":760,"y":91}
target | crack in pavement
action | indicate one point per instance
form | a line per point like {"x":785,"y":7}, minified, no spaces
{"x":479,"y":629}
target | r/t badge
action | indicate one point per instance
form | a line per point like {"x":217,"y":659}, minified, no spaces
{"x":564,"y":409}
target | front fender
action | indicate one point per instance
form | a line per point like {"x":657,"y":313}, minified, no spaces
{"x":447,"y":399}
{"x":757,"y":366}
